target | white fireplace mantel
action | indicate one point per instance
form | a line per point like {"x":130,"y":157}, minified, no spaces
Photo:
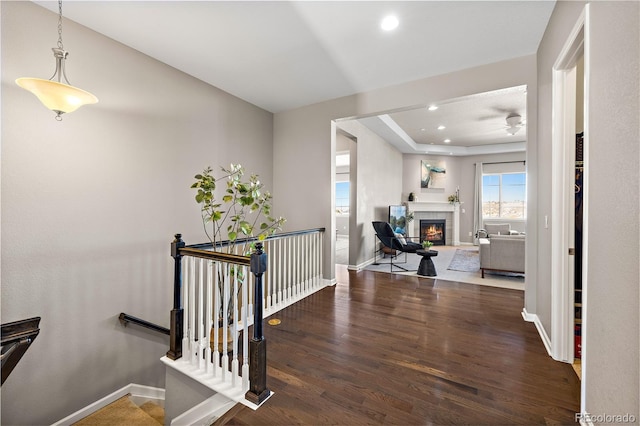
{"x":439,"y":206}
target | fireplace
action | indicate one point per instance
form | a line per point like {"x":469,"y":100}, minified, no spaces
{"x":433,"y":230}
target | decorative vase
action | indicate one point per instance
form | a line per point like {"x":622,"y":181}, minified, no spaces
{"x":411,"y":196}
{"x":221,"y":339}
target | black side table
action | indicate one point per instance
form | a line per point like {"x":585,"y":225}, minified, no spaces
{"x":427,"y":268}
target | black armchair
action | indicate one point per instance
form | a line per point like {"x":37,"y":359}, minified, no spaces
{"x":389,"y":239}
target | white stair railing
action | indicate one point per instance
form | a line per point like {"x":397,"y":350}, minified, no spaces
{"x":294,"y":270}
{"x":217,"y":305}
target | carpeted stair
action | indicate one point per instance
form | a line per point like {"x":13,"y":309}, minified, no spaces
{"x":125,"y":412}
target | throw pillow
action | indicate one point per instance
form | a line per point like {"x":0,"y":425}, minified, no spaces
{"x":400,"y":238}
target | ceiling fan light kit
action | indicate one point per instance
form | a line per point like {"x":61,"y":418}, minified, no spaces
{"x":59,"y":97}
{"x":514,"y":123}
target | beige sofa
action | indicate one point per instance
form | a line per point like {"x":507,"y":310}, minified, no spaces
{"x":503,"y":253}
{"x":491,"y":229}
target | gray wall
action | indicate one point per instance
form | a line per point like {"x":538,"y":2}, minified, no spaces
{"x":460,"y":172}
{"x":611,"y":321}
{"x":90,"y":205}
{"x":305,"y":133}
{"x":379,"y":184}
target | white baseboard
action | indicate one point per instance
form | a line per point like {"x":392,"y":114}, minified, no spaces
{"x":541,"y":331}
{"x":131,"y":388}
{"x":205,"y":413}
{"x":331,"y":282}
{"x":361,"y":266}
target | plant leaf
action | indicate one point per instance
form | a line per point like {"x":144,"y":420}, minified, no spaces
{"x":245,"y":227}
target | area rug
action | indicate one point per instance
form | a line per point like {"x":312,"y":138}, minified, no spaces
{"x":465,"y":261}
{"x":442,"y":262}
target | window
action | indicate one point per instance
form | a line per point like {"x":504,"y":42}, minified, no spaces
{"x":342,"y":197}
{"x":504,"y":196}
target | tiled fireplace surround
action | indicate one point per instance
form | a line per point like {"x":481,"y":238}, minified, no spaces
{"x":437,"y":210}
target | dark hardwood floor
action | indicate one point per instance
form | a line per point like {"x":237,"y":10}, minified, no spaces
{"x":389,"y":349}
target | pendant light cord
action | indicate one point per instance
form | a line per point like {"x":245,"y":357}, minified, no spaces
{"x":59,"y":53}
{"x":60,"y":45}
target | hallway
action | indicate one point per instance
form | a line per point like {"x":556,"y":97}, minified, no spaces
{"x":389,"y":349}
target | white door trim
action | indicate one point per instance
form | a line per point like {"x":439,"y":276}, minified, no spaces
{"x":563,"y":167}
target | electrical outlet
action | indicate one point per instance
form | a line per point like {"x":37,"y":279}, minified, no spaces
{"x":470,"y":233}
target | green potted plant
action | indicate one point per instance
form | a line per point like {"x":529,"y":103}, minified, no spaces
{"x":242,"y":214}
{"x":454,"y":198}
{"x":426,"y":244}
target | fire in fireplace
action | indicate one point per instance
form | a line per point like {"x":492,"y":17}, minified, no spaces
{"x":433,"y":230}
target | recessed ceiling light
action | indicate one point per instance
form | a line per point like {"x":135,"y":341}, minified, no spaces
{"x":389,"y":23}
{"x":441,"y":127}
{"x":423,"y":130}
{"x":451,"y":153}
{"x":433,"y":108}
{"x":447,"y":140}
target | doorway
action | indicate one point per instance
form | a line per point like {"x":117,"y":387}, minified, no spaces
{"x":344,"y":194}
{"x":569,"y":196}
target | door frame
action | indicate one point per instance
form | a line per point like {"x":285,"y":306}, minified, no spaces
{"x":563,"y":198}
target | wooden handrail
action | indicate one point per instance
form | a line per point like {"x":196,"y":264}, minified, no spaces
{"x":277,"y":236}
{"x":215,"y":255}
{"x":126,"y":318}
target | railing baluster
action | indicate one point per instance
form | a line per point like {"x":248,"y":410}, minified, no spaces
{"x":267,"y":283}
{"x":294,"y":267}
{"x":200,"y":318}
{"x":279,"y":272}
{"x":290,"y":282}
{"x":186,"y":347}
{"x":305,"y":267}
{"x":208,"y":317}
{"x":295,"y":260}
{"x":319,"y":256}
{"x":215,"y":317}
{"x":234,"y":362}
{"x":313,"y":261}
{"x":192,"y":313}
{"x":225,"y":322}
{"x":304,"y":257}
{"x":245,"y":334}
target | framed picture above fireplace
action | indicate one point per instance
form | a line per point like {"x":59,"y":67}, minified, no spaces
{"x":432,"y":175}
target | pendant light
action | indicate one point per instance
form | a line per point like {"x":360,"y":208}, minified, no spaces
{"x":55,"y":95}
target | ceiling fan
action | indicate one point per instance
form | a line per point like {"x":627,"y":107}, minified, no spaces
{"x":514,"y":123}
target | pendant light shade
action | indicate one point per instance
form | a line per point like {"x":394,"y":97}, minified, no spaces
{"x":58,"y":97}
{"x":55,"y":95}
